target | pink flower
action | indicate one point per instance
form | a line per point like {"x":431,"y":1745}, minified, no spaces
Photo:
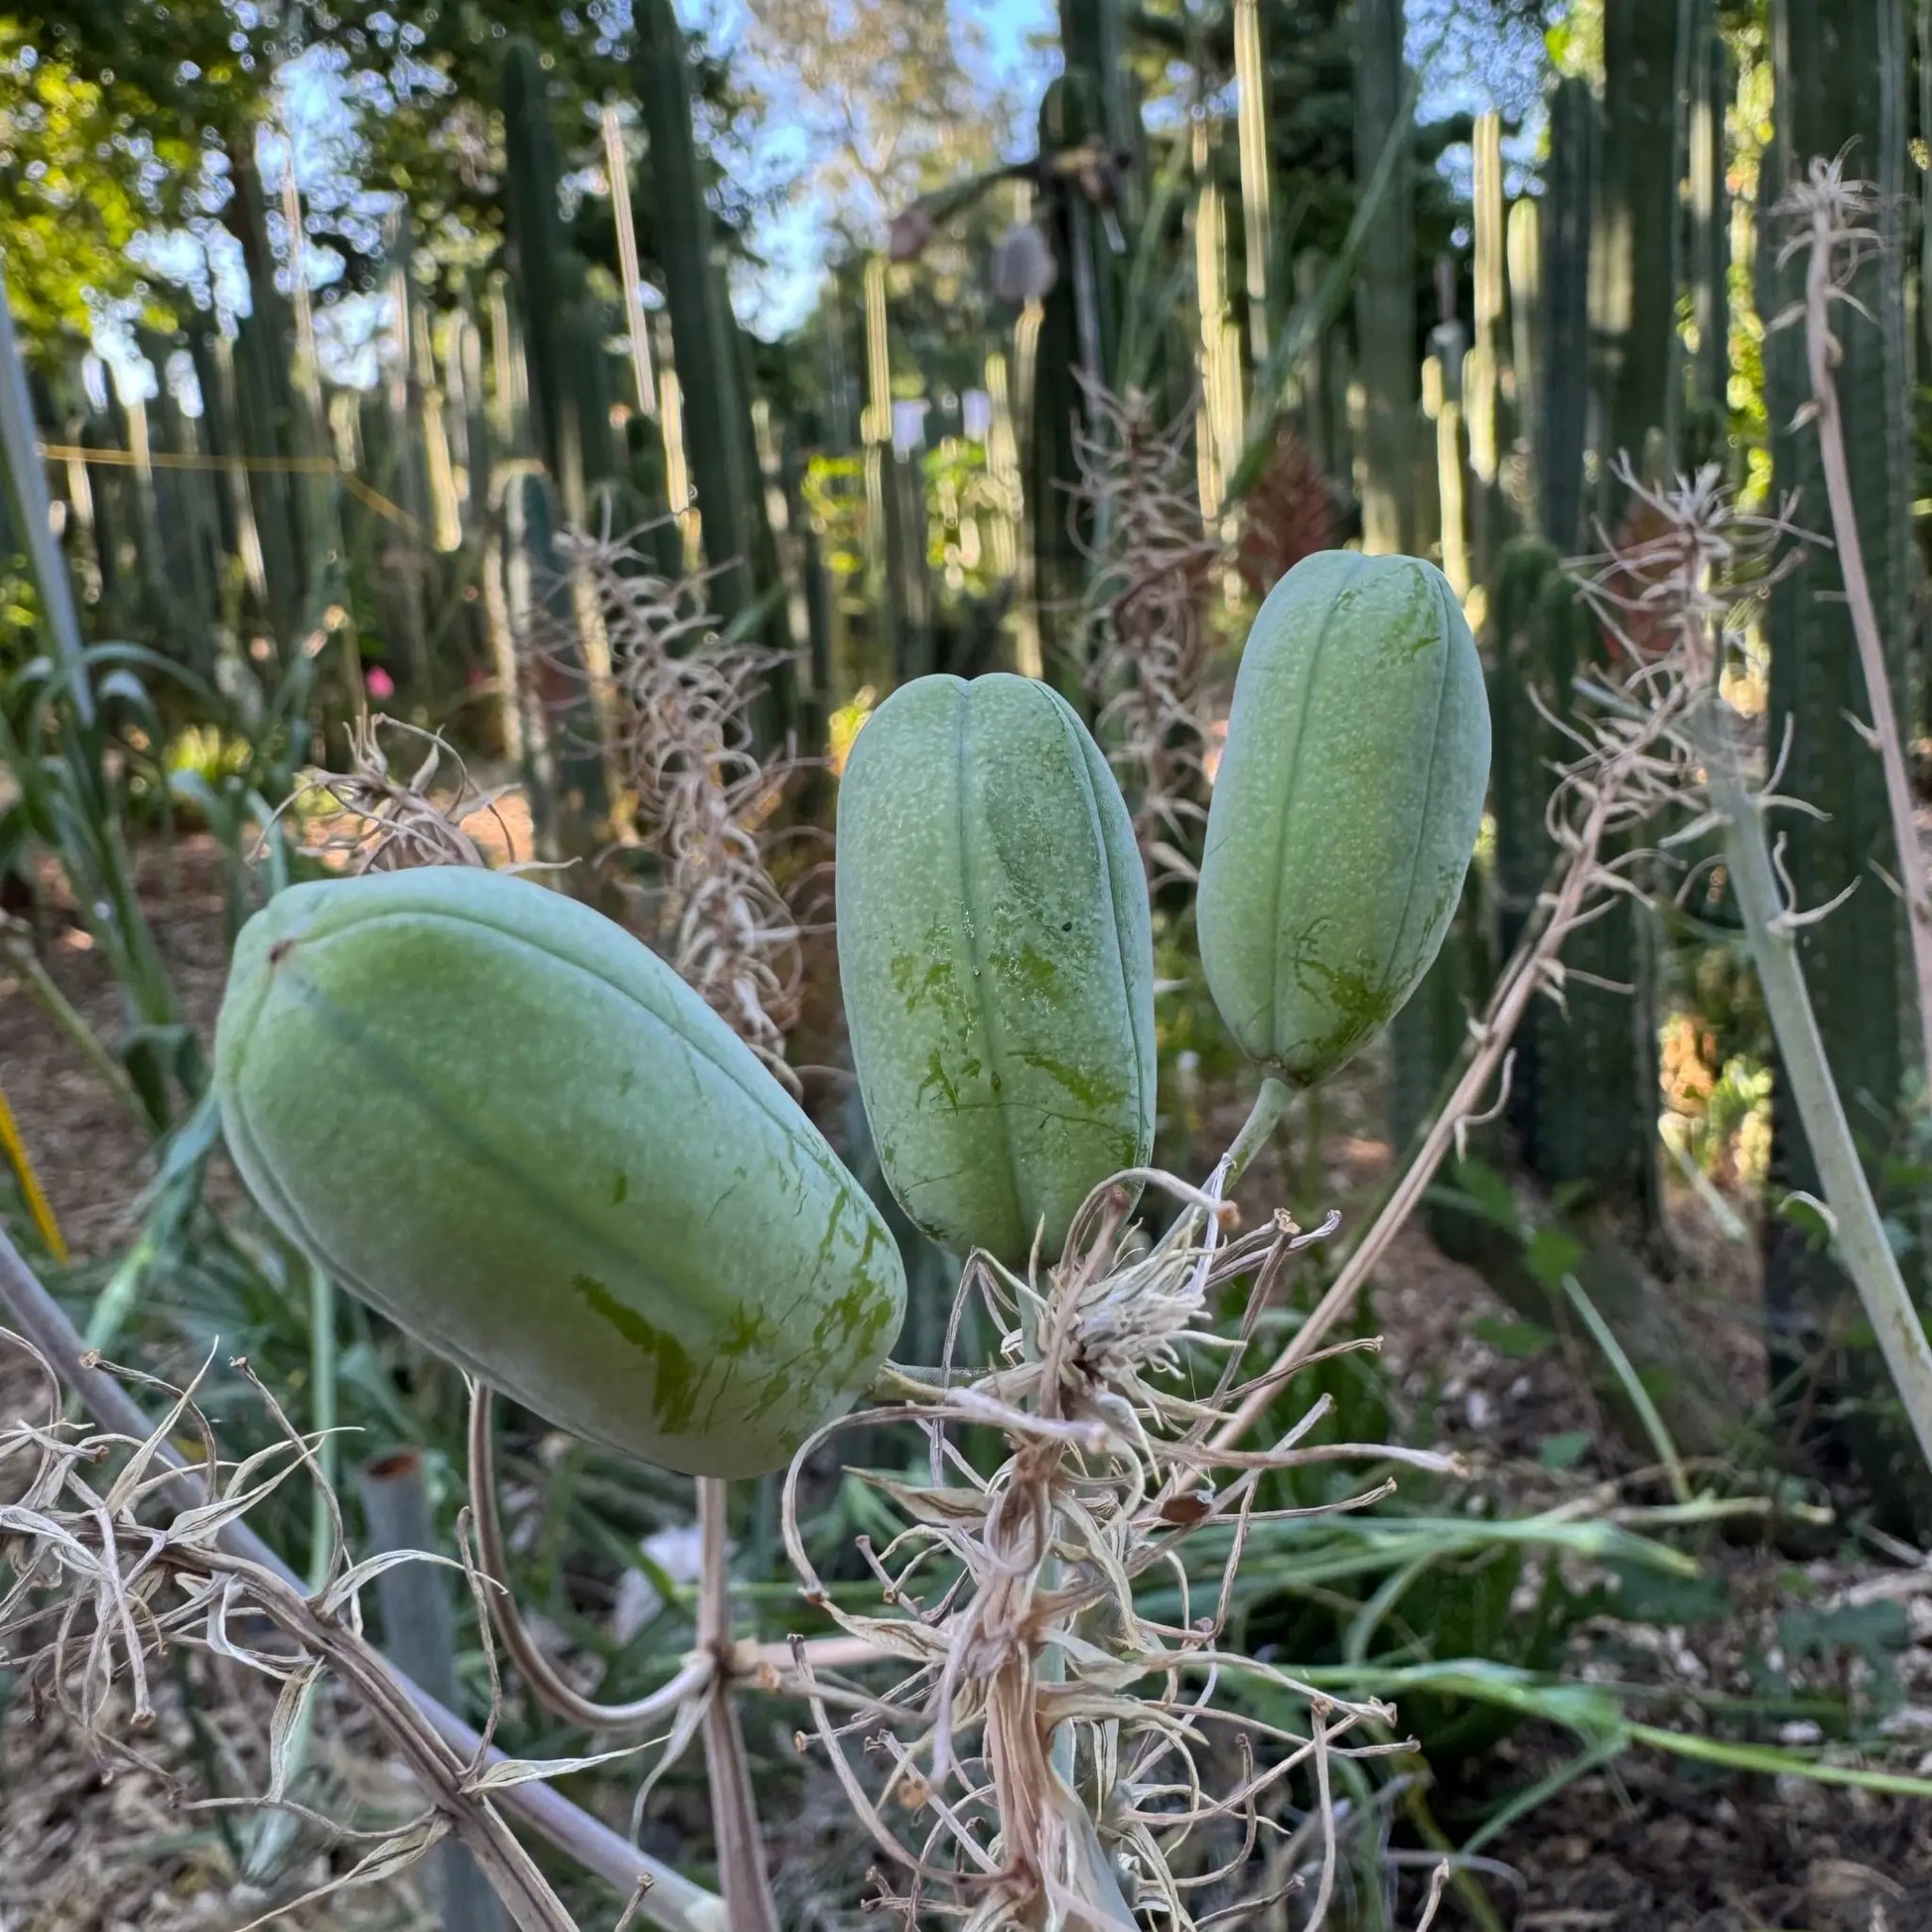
{"x":381,"y":684}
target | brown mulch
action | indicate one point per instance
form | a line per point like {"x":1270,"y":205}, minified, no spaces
{"x":1649,"y":1844}
{"x":91,"y":1157}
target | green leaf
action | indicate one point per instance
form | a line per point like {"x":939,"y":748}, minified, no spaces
{"x":1648,"y":1596}
{"x":1550,"y":1255}
{"x":1517,"y":1339}
{"x":1484,"y":1191}
{"x":1808,"y":1217}
{"x":1565,"y":1449}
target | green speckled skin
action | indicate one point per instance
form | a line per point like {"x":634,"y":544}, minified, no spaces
{"x":1345,"y":808}
{"x":500,"y":1120}
{"x":996,"y":959}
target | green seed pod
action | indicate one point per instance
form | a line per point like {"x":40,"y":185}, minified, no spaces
{"x":498,"y":1118}
{"x":996,"y":960}
{"x":1345,"y":807}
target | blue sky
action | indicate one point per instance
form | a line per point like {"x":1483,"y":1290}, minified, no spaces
{"x":780,"y":297}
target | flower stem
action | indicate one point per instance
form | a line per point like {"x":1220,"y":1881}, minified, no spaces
{"x":1271,"y":1103}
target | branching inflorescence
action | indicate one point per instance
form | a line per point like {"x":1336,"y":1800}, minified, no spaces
{"x":1682,"y":590}
{"x":685,"y":697}
{"x":1051,"y":1752}
{"x":1153,"y":572}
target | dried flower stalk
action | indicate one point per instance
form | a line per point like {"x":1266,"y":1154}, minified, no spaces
{"x":685,"y":697}
{"x":1830,"y":221}
{"x":1287,"y":514}
{"x":1688,"y":586}
{"x":671,"y":1900}
{"x":1044,"y":1756}
{"x":114,"y":1567}
{"x":1154,"y":566}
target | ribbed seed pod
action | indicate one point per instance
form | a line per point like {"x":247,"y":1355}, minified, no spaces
{"x":996,"y":960}
{"x":499,"y":1119}
{"x":1345,"y":807}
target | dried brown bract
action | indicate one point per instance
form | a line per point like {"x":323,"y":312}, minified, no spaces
{"x":1288,"y":515}
{"x":1153,"y":572}
{"x":367,"y":819}
{"x":685,"y":698}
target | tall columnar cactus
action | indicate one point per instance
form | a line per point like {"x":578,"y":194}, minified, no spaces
{"x":716,"y":413}
{"x":1633,"y":263}
{"x":1385,"y":291}
{"x":569,"y":372}
{"x":1093,"y":45}
{"x":1442,"y":404}
{"x":1710,"y":251}
{"x":1840,"y":70}
{"x":1587,"y":1092}
{"x":1560,"y":429}
{"x":391,"y":554}
{"x":644,"y":469}
{"x":1218,"y":429}
{"x":895,"y":485}
{"x":1489,"y":423}
{"x":1523,"y":252}
{"x":399,"y":466}
{"x":1601,"y":1042}
{"x":106,"y":521}
{"x":1257,"y":193}
{"x":186,"y":508}
{"x":157,"y":532}
{"x":469,"y":430}
{"x":1521,"y":740}
{"x":216,"y":431}
{"x":561,"y":737}
{"x":509,"y":372}
{"x":540,"y":263}
{"x":273,"y":420}
{"x":264,"y":408}
{"x":1078,"y":334}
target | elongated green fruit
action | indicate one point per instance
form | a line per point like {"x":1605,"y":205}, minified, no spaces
{"x":500,"y":1120}
{"x":996,"y":958}
{"x":1345,"y":807}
